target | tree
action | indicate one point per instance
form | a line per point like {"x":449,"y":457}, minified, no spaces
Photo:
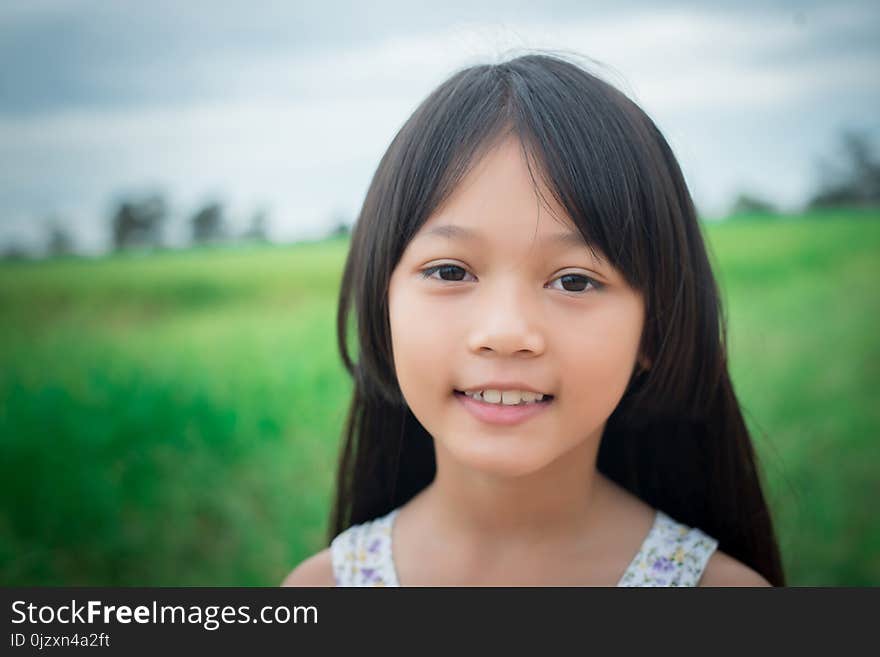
{"x":138,"y":222}
{"x":748,"y":204}
{"x":207,"y":224}
{"x":340,"y":225}
{"x":855,"y":180}
{"x":341,"y":230}
{"x":257,"y":230}
{"x":59,"y":242}
{"x":14,"y":253}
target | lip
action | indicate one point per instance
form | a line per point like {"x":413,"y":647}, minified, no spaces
{"x":501,"y":414}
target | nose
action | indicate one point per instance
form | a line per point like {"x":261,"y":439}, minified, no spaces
{"x":508,"y":322}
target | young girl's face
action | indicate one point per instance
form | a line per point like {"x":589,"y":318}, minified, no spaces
{"x":513,"y":302}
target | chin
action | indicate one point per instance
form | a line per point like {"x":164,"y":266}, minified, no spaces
{"x":499,"y":460}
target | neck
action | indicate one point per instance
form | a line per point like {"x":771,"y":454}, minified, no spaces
{"x":561,"y":502}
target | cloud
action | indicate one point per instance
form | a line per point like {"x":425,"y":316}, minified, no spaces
{"x":131,"y":96}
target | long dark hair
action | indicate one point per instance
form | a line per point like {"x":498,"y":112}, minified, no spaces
{"x":677,"y":439}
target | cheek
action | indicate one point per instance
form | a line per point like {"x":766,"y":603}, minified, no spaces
{"x":601,"y":356}
{"x":421,"y":342}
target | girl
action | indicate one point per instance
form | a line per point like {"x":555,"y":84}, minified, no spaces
{"x":542,"y":394}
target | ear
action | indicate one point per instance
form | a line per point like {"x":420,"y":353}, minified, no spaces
{"x":644,"y":363}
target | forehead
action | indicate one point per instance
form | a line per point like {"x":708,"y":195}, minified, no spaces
{"x":557,"y":241}
{"x":558,"y":238}
{"x":499,"y":205}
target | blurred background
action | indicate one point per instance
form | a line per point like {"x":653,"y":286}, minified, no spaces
{"x":179,"y":182}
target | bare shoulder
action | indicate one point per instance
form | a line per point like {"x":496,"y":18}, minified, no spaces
{"x":317,"y":570}
{"x":724,"y":570}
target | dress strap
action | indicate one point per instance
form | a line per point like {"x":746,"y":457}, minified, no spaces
{"x":362,"y":554}
{"x":672,"y":554}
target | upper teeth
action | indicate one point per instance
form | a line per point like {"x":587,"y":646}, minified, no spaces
{"x":509,"y":397}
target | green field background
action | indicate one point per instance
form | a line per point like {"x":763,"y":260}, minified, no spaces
{"x":173,"y":419}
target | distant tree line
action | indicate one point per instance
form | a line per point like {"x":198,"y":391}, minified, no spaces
{"x":850,"y":179}
{"x":853,"y":182}
{"x":139,"y":223}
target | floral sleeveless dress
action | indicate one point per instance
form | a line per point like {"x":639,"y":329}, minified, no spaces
{"x":672,"y":554}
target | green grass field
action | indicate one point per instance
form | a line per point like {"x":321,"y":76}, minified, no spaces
{"x":173,"y":419}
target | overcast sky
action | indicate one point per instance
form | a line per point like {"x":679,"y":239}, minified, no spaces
{"x":288,"y":106}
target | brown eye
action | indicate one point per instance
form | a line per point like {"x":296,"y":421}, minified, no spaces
{"x":574,"y":283}
{"x":579,"y":283}
{"x":448,"y":273}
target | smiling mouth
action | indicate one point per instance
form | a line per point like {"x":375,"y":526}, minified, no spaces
{"x":546,"y":400}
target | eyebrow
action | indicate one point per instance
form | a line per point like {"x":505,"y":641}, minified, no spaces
{"x":461,"y":233}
